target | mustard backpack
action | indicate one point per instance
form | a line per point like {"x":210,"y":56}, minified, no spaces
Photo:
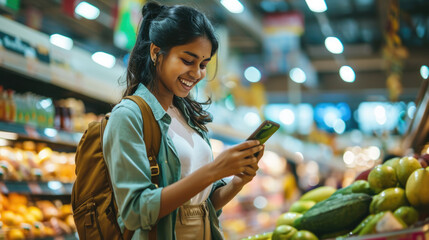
{"x":93,"y":201}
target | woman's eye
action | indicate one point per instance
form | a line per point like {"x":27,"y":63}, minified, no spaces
{"x":203,"y":66}
{"x":187,"y":62}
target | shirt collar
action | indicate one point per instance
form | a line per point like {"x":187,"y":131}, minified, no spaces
{"x":151,"y":100}
{"x":157,"y":109}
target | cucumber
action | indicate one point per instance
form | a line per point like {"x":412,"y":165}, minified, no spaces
{"x":335,"y":214}
{"x":343,"y":191}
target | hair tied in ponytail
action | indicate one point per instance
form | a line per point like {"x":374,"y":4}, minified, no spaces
{"x":151,"y":10}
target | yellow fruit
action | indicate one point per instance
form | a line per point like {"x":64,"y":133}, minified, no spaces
{"x":36,"y":212}
{"x":288,"y":218}
{"x":8,"y":218}
{"x":382,"y":177}
{"x":417,"y":188}
{"x":16,"y":234}
{"x":301,"y":206}
{"x":21,"y":209}
{"x":389,"y":199}
{"x":405,"y":167}
{"x":30,"y":219}
{"x":318,"y":194}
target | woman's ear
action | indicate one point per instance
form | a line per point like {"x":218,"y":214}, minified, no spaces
{"x":154,"y":50}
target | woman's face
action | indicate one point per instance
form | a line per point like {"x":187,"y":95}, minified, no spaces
{"x":183,"y":67}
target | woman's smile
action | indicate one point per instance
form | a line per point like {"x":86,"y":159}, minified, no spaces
{"x":187,"y":83}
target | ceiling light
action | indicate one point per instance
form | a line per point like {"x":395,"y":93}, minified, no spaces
{"x":87,"y":10}
{"x":234,"y":6}
{"x":104,"y":59}
{"x":334,"y":45}
{"x":252,"y":74}
{"x":286,"y":116}
{"x":61,"y":41}
{"x":297,"y":75}
{"x":424,"y":71}
{"x":347,"y":74}
{"x":317,"y":5}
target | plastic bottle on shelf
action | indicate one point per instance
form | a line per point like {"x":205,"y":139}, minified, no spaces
{"x":10,"y":115}
{"x":21,"y":108}
{"x":50,"y":115}
{"x":27,"y":103}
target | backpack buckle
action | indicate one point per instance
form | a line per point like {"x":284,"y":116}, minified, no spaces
{"x":154,"y":170}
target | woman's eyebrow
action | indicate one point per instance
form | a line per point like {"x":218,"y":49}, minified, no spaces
{"x":195,"y":55}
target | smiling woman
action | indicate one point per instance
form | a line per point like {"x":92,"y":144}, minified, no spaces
{"x":174,"y":46}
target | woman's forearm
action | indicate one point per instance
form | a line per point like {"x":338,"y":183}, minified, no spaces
{"x":176,"y":194}
{"x":221,"y":196}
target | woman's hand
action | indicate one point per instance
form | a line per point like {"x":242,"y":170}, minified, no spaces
{"x":237,"y":160}
{"x":249,"y":173}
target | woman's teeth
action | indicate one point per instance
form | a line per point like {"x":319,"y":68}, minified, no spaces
{"x":187,"y":83}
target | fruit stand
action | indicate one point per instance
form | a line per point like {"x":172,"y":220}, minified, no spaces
{"x":389,"y":201}
{"x":379,"y":207}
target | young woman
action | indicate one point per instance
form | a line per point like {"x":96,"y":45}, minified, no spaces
{"x":174,"y":46}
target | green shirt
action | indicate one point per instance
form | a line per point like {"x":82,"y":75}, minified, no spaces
{"x":124,"y":150}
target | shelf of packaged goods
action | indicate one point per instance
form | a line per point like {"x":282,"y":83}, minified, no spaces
{"x":54,"y":188}
{"x":13,"y":131}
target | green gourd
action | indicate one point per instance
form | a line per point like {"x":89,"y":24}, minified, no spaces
{"x":335,"y":214}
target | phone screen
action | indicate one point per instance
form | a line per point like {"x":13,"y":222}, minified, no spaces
{"x":264,"y":131}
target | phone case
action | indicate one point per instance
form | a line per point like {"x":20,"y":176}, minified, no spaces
{"x":264,"y":131}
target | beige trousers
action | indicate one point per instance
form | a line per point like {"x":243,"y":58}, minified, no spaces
{"x":193,"y":222}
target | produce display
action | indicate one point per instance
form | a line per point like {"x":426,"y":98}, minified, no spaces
{"x":29,"y":161}
{"x":393,"y":196}
{"x":23,"y":219}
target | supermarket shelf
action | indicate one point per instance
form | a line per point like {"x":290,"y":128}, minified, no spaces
{"x":13,"y":131}
{"x":65,"y":237}
{"x":53,"y":188}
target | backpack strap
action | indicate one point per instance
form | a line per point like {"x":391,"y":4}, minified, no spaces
{"x":152,"y":138}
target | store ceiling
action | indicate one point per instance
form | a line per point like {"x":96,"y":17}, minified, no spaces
{"x":360,"y":24}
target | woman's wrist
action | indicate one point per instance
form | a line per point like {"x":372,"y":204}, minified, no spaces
{"x":237,"y":183}
{"x":212,"y":172}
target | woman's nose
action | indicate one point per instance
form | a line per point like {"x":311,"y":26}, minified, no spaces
{"x":196,"y":73}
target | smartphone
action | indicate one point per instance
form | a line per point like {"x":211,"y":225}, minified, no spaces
{"x":264,"y":131}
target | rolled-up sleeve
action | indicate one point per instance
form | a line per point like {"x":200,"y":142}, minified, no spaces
{"x":124,"y":150}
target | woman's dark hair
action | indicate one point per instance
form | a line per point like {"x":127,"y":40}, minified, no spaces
{"x":166,"y":27}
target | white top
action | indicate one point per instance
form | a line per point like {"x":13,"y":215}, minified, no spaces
{"x":193,"y":151}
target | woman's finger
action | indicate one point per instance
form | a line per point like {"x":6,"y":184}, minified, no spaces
{"x":246,"y":145}
{"x":249,"y":171}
